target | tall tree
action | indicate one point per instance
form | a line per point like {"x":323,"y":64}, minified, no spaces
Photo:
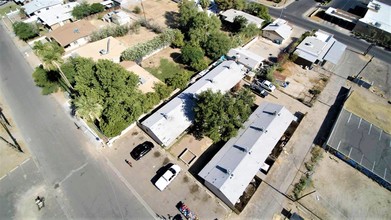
{"x":217,"y":45}
{"x":88,"y":108}
{"x":25,"y":31}
{"x":187,"y":11}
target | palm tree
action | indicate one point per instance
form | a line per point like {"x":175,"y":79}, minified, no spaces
{"x":88,"y":109}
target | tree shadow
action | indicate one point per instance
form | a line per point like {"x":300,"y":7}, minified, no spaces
{"x":177,"y":58}
{"x":171,"y":19}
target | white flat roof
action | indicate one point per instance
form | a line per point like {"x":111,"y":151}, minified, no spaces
{"x":378,"y":15}
{"x":36,"y":5}
{"x":57,"y":13}
{"x":229,"y":15}
{"x":281,"y":27}
{"x":171,"y":120}
{"x":238,"y":161}
{"x":246,"y":57}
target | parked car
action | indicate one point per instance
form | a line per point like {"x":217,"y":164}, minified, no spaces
{"x":267,"y":85}
{"x":259,"y":90}
{"x":168,"y":177}
{"x":140,"y":150}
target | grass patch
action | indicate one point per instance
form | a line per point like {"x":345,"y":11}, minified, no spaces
{"x":165,"y":70}
{"x":11,"y":6}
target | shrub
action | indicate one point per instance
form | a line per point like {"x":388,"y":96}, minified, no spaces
{"x":137,"y":10}
{"x":114,"y":31}
{"x":25,"y":31}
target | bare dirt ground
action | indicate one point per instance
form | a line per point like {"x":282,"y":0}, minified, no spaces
{"x":142,"y":36}
{"x":301,"y":81}
{"x":342,"y":192}
{"x":171,"y":54}
{"x":371,"y":107}
{"x":9,"y":157}
{"x":158,"y":10}
{"x":98,"y":23}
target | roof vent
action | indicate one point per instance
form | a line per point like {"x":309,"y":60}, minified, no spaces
{"x":308,"y":44}
{"x":76,"y":30}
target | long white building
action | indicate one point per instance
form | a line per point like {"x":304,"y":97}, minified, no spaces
{"x":171,"y":120}
{"x":232,"y":169}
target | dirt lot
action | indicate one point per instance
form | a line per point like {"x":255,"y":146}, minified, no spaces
{"x":158,"y":10}
{"x":371,"y":107}
{"x":342,"y":192}
{"x":142,"y":36}
{"x":301,"y":81}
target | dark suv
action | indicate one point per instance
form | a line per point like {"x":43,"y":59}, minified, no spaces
{"x":141,"y":149}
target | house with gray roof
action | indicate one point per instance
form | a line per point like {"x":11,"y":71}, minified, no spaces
{"x":249,"y":59}
{"x":236,"y":164}
{"x":167,"y":123}
{"x":58,"y":15}
{"x":318,"y":49}
{"x":37,"y":6}
{"x":231,"y":14}
{"x":278,"y":31}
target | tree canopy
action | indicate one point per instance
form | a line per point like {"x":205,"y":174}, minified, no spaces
{"x":228,"y":4}
{"x":85,"y":9}
{"x":217,"y":45}
{"x":259,"y":11}
{"x":25,"y":31}
{"x":219,"y":116}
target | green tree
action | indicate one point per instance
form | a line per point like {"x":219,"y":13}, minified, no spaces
{"x":48,"y":81}
{"x":25,"y":31}
{"x":96,"y":8}
{"x":191,"y":53}
{"x":162,"y":90}
{"x":251,"y":30}
{"x":50,"y":54}
{"x":199,"y":65}
{"x":88,"y":108}
{"x":204,"y":4}
{"x":228,"y":4}
{"x":81,"y":11}
{"x":259,"y":11}
{"x":178,"y":80}
{"x":201,"y":26}
{"x":219,"y":116}
{"x":178,"y":39}
{"x":239,"y":23}
{"x":187,"y":11}
{"x":217,"y":45}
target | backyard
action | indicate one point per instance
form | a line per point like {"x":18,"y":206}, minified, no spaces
{"x":10,"y":6}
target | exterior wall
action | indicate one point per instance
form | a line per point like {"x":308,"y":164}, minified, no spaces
{"x":75,"y":44}
{"x":369,"y":30}
{"x":219,"y":194}
{"x":272,"y":35}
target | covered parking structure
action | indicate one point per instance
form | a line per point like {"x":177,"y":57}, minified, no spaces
{"x":363,"y":145}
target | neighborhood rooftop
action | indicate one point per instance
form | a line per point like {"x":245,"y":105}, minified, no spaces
{"x":281,"y":27}
{"x":171,"y":120}
{"x":57,"y":13}
{"x":321,"y":46}
{"x":36,"y":5}
{"x":235,"y":165}
{"x":246,"y":57}
{"x":71,"y":32}
{"x":378,"y":15}
{"x":229,"y":15}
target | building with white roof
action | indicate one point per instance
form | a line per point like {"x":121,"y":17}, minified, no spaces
{"x":117,"y":17}
{"x":318,"y":49}
{"x":171,"y":120}
{"x":376,"y":20}
{"x":246,"y":57}
{"x":229,"y":16}
{"x":278,"y":31}
{"x":38,"y":6}
{"x":232,"y":169}
{"x":57,"y":15}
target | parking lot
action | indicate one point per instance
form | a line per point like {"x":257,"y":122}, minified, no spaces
{"x":143,"y":173}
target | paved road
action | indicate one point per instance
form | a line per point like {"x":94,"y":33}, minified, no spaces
{"x":292,"y":14}
{"x":72,"y":169}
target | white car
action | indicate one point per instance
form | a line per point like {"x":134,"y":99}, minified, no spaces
{"x":268,"y":85}
{"x":167,"y":177}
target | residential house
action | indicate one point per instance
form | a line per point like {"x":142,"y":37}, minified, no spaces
{"x":57,"y":15}
{"x":249,"y":59}
{"x":37,"y":6}
{"x":236,"y":164}
{"x":230,"y":14}
{"x":72,"y":35}
{"x":108,"y":48}
{"x":146,"y":80}
{"x":318,"y":49}
{"x":278,"y":31}
{"x":167,"y":123}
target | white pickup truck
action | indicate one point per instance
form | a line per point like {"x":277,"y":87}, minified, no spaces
{"x":267,"y":85}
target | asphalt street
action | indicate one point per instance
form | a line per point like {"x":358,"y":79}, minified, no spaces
{"x":293,"y":14}
{"x":72,"y":169}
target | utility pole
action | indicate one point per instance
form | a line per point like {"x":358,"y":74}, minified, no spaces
{"x":364,"y":67}
{"x":142,"y":6}
{"x":368,"y":49}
